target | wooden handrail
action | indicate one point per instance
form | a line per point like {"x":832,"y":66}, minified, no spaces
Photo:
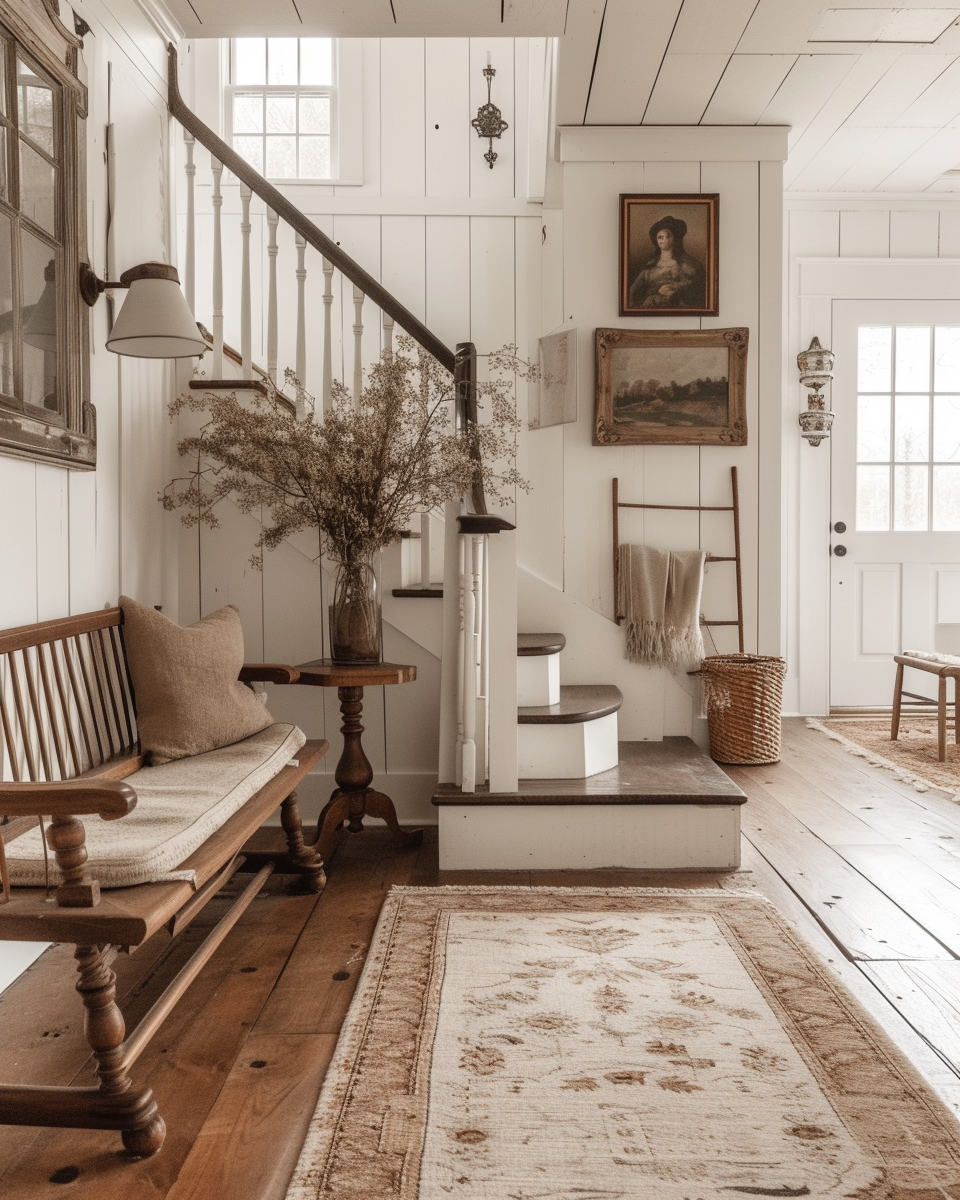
{"x":300,"y":223}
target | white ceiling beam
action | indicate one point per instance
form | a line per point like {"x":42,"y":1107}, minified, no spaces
{"x":672,"y":143}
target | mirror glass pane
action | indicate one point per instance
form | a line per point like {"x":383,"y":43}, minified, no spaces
{"x":39,"y":316}
{"x":35,"y":107}
{"x":38,"y":189}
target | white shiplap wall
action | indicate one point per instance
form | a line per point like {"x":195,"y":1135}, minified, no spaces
{"x":879,"y":228}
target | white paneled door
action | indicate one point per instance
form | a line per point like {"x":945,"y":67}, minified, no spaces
{"x":895,"y":502}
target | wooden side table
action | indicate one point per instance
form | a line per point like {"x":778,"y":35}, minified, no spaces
{"x":354,"y":798}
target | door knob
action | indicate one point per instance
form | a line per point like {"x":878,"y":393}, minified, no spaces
{"x":839,"y":551}
{"x":840,"y":527}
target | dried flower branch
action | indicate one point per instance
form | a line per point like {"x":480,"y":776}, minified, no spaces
{"x":360,"y":475}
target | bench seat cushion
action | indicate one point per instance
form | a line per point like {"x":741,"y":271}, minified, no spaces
{"x":930,"y":656}
{"x":179,"y":805}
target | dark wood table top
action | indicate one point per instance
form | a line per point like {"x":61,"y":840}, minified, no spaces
{"x":323,"y":672}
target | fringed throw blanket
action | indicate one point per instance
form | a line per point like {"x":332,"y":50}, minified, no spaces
{"x":660,"y":602}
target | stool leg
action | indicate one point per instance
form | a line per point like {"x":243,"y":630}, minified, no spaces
{"x":942,"y":719}
{"x":897,"y":698}
{"x":956,"y":718}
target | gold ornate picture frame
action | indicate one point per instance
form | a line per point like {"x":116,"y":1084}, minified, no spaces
{"x":678,"y":387}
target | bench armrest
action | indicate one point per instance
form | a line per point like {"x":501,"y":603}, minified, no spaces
{"x":107,"y":798}
{"x":268,"y":673}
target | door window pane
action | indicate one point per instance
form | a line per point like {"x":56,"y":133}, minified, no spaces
{"x":35,"y":107}
{"x":873,"y":498}
{"x":38,"y":188}
{"x":910,"y":498}
{"x":873,"y":429}
{"x":913,"y":358}
{"x":39,"y":316}
{"x":7,"y":385}
{"x":946,"y":358}
{"x":946,"y":498}
{"x":946,"y":428}
{"x":912,"y":429}
{"x":874,"y":345}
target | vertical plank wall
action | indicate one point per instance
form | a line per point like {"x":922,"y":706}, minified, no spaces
{"x":71,"y":541}
{"x":458,"y":244}
{"x":657,"y":702}
{"x":874,"y":227}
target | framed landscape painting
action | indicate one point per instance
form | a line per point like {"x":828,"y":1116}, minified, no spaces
{"x":678,"y":387}
{"x":669,"y":255}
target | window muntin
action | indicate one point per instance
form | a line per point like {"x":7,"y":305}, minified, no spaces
{"x":280,"y":105}
{"x":908,"y":428}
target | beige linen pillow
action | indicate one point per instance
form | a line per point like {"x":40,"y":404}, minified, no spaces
{"x":185,"y":682}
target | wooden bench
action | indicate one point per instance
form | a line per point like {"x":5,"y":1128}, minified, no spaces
{"x":69,"y":743}
{"x":944,"y":667}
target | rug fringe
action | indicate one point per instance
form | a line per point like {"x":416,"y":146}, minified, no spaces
{"x":916,"y":781}
{"x":560,"y":890}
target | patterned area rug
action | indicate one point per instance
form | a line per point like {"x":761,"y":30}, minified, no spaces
{"x":912,"y":757}
{"x":613,"y":1044}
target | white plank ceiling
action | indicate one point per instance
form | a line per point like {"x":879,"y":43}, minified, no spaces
{"x":880,"y":114}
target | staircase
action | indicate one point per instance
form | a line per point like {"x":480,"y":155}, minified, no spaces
{"x":585,"y":800}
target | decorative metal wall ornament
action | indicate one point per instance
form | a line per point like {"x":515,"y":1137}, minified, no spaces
{"x":816,"y":370}
{"x":489,"y":122}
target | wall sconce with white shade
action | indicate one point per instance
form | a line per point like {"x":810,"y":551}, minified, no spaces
{"x":816,"y":371}
{"x":154,"y":321}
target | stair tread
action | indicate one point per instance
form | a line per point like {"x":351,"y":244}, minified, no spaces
{"x":674,"y":771}
{"x":579,"y":702}
{"x":419,"y":593}
{"x":531,"y":644}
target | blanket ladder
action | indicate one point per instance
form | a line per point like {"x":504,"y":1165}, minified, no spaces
{"x":733,"y":508}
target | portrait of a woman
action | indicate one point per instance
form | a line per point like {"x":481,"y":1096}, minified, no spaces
{"x":668,"y":266}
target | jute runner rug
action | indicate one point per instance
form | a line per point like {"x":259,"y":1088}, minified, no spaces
{"x":598,"y":1044}
{"x":912,"y":757}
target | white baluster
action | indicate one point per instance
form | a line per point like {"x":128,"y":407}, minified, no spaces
{"x":388,"y":337}
{"x":246,"y":335}
{"x":273,"y":220}
{"x":301,"y":311}
{"x":217,"y":201}
{"x":327,"y":336}
{"x":190,"y":268}
{"x":483,"y":667}
{"x":358,"y":299}
{"x":425,"y":550}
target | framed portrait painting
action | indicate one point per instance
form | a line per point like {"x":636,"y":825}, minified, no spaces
{"x":677,"y":387}
{"x":668,"y":256}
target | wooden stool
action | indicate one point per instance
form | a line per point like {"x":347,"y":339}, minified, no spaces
{"x":944,"y":667}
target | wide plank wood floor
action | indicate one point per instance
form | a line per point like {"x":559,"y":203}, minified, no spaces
{"x":865,"y":867}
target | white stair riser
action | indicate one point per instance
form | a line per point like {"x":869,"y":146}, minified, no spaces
{"x":554,"y":837}
{"x":567,"y":751}
{"x":538,"y":680}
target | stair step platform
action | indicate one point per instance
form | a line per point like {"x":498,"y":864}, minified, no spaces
{"x":665,"y":806}
{"x":538,"y":668}
{"x":573,"y":738}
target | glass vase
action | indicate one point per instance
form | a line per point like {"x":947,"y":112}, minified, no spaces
{"x":355,"y":614}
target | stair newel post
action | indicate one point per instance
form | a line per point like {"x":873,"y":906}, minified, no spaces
{"x":460,"y":673}
{"x":246,"y":334}
{"x":301,"y":366}
{"x":190,"y":255}
{"x":479,"y":650}
{"x":358,"y":298}
{"x":484,"y":664}
{"x":328,"y":269}
{"x":273,"y":220}
{"x":468,"y":701}
{"x":217,"y":202}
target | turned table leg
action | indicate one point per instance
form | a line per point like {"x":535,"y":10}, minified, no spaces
{"x":353,"y":798}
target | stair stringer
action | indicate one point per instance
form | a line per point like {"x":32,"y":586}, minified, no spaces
{"x":656,"y":702}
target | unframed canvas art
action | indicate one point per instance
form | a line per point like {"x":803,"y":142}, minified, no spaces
{"x":556,"y":400}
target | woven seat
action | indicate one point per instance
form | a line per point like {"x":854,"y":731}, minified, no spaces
{"x":944,"y":666}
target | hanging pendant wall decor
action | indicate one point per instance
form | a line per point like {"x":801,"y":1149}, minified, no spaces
{"x":489,"y":122}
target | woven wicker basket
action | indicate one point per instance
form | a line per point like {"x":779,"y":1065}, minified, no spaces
{"x":743,"y":696}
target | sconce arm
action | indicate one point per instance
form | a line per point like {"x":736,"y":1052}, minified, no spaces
{"x":91,"y":285}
